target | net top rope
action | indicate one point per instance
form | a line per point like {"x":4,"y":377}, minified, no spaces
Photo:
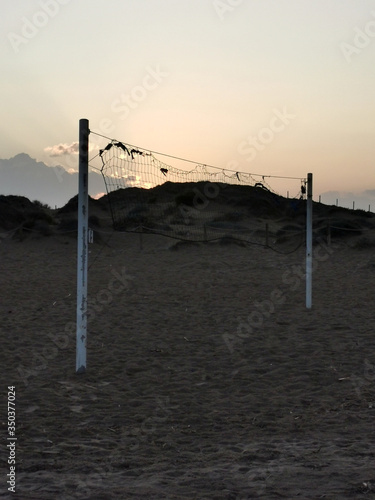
{"x":241,"y":177}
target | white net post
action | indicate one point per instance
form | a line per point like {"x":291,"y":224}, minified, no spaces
{"x":309,"y":242}
{"x":82,"y":250}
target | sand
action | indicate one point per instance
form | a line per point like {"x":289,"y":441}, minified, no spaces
{"x":206,"y":378}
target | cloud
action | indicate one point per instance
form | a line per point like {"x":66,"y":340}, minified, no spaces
{"x":369,"y":192}
{"x":62,"y":149}
{"x":99,"y":195}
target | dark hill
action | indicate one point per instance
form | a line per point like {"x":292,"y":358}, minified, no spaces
{"x":18,"y":210}
{"x":199,"y":210}
{"x":177,"y":208}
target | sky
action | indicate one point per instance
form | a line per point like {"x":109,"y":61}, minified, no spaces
{"x":275,"y":87}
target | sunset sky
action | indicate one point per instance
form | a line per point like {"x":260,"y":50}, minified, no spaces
{"x":277,"y":87}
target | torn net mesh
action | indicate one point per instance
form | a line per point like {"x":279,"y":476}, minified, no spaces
{"x":201,"y":204}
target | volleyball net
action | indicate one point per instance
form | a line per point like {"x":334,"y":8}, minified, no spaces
{"x":199,"y":203}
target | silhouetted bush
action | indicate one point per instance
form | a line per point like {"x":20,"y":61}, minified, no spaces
{"x":69,"y":225}
{"x":94,"y":220}
{"x":363,"y":243}
{"x":41,"y":205}
{"x":186,"y":198}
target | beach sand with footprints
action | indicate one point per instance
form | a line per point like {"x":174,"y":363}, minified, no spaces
{"x":206,"y":378}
